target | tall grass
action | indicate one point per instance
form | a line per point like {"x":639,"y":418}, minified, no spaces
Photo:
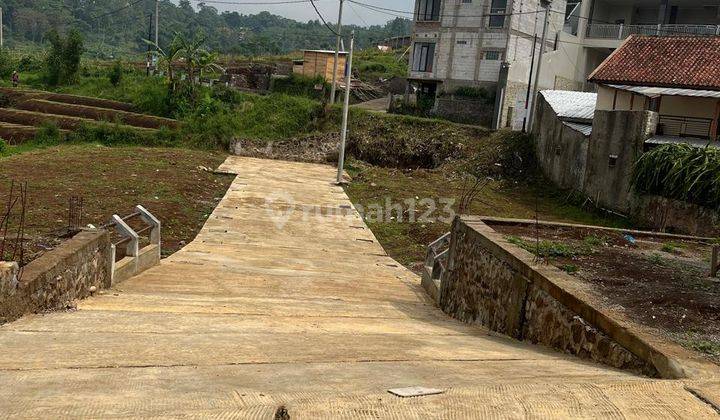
{"x":680,"y":172}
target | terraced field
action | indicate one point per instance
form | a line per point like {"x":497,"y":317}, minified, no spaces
{"x":23,"y":111}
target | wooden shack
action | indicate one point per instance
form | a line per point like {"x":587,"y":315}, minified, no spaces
{"x":320,"y":63}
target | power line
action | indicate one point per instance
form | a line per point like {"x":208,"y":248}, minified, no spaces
{"x":323,"y":19}
{"x":112,"y":12}
{"x":251,"y":3}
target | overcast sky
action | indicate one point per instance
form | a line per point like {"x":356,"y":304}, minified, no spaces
{"x":352,"y":13}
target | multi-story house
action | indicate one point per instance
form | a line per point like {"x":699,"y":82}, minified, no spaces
{"x":479,"y":43}
{"x":489,"y":43}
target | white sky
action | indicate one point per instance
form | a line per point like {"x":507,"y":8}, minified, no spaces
{"x":352,"y":13}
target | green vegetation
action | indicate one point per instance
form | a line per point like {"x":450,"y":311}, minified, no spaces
{"x":113,"y":33}
{"x":299,"y":85}
{"x":671,"y":247}
{"x":680,"y":172}
{"x":62,"y":62}
{"x":569,"y":268}
{"x":550,"y":249}
{"x":372,"y":65}
{"x":656,"y":259}
{"x":116,"y":73}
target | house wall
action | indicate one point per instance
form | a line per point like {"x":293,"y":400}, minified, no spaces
{"x":618,"y":134}
{"x":610,"y":99}
{"x":561,"y":151}
{"x":688,"y":107}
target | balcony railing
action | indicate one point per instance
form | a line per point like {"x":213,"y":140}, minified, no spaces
{"x":611,"y":31}
{"x":685,"y":127}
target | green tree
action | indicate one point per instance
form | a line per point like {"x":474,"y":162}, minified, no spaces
{"x":62,"y":62}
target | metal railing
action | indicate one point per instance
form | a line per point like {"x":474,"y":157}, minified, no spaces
{"x":622,"y":31}
{"x":669,"y":125}
{"x":437,"y":253}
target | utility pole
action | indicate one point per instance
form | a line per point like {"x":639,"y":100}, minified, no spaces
{"x":337,"y":52}
{"x":147,"y":67}
{"x":527,"y":96}
{"x":2,"y":40}
{"x":157,"y":34}
{"x":346,"y":106}
{"x":546,"y":21}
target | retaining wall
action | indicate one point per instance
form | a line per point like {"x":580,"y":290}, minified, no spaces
{"x":58,"y":277}
{"x":491,"y":282}
{"x":561,"y":151}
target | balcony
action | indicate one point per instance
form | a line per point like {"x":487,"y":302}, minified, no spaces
{"x":685,"y":127}
{"x":620,"y":32}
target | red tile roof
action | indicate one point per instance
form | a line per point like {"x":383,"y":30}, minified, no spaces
{"x":690,"y":62}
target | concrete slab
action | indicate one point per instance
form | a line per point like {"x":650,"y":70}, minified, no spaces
{"x":311,"y":316}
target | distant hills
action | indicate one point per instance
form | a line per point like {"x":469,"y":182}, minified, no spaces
{"x":114,"y":28}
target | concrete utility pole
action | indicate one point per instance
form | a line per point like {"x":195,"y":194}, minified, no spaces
{"x":546,"y":21}
{"x":337,"y":51}
{"x":346,"y":106}
{"x":157,"y":33}
{"x":2,"y":39}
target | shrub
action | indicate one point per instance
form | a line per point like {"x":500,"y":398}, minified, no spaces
{"x":680,"y":172}
{"x":115,"y":135}
{"x":477,"y":93}
{"x":212,"y":124}
{"x":300,"y":85}
{"x":7,"y":63}
{"x":277,"y":116}
{"x":3,"y":146}
{"x":116,"y":73}
{"x":62,"y":62}
{"x":30,"y":63}
{"x":48,"y":134}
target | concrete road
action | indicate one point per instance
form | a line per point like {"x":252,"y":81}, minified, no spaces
{"x":286,"y":303}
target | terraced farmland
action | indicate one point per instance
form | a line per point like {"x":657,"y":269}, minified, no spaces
{"x":23,"y":111}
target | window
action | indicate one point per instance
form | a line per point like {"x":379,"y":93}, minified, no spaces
{"x":462,"y":42}
{"x":428,"y":10}
{"x":497,"y":13}
{"x":467,"y":1}
{"x":492,"y":55}
{"x":423,"y":56}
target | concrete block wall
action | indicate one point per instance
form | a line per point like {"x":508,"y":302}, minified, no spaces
{"x":57,"y":277}
{"x":493,"y":283}
{"x":617,"y":141}
{"x":561,"y":151}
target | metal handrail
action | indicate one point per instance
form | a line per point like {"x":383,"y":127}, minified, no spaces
{"x":621,"y":31}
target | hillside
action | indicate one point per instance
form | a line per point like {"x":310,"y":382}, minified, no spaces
{"x":114,"y":28}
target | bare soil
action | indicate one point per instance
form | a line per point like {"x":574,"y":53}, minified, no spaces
{"x":657,"y":282}
{"x":177,"y":185}
{"x":95,"y":113}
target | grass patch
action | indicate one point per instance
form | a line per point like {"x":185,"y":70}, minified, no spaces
{"x":656,"y":259}
{"x":549,"y":249}
{"x":672,"y":247}
{"x":113,"y":180}
{"x":569,"y":268}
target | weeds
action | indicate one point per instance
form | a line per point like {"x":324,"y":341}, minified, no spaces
{"x":671,"y":247}
{"x":656,"y":259}
{"x":680,"y":172}
{"x":549,"y":249}
{"x":569,"y":268}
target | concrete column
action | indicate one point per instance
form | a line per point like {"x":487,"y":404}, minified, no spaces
{"x":584,"y":21}
{"x":663,"y":11}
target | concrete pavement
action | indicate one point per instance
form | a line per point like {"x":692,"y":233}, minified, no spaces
{"x":272,"y":308}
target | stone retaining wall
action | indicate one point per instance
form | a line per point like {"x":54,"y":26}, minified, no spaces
{"x":58,"y":277}
{"x":491,"y":282}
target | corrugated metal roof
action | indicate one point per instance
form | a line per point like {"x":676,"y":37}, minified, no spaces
{"x":659,"y":91}
{"x":585,"y":129}
{"x":692,"y":141}
{"x":327,"y":52}
{"x":579,"y":106}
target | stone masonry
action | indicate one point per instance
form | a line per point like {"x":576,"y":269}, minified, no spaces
{"x":58,"y":277}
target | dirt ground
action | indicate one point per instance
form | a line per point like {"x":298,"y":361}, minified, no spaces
{"x":658,"y":282}
{"x":176,"y":185}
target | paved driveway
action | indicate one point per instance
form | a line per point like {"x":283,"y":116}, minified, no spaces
{"x":285,"y":300}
